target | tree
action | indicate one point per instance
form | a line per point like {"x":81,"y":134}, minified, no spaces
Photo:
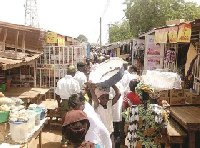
{"x":144,"y":15}
{"x":119,"y":32}
{"x":81,"y":38}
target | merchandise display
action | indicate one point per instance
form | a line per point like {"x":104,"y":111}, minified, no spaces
{"x":162,"y":80}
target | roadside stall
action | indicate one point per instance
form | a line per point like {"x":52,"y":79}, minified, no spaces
{"x":21,"y":47}
{"x":178,"y":61}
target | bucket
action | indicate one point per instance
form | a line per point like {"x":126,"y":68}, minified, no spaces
{"x":31,"y":122}
{"x":2,"y":87}
{"x":37,"y":117}
{"x":4,"y":116}
{"x":19,"y":131}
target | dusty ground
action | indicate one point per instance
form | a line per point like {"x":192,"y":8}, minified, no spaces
{"x":50,"y":138}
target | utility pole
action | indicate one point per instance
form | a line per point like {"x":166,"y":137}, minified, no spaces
{"x":100,"y":32}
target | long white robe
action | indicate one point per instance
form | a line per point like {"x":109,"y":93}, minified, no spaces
{"x":97,"y":132}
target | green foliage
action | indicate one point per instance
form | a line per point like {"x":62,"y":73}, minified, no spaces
{"x":144,"y":15}
{"x":119,"y":32}
{"x":81,"y":38}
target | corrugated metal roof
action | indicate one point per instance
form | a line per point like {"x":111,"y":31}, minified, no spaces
{"x":6,"y":63}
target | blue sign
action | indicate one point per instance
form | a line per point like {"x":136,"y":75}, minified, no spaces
{"x":88,"y":50}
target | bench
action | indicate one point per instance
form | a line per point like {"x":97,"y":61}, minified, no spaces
{"x":175,"y":134}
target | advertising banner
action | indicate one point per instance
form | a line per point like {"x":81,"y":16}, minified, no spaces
{"x":184,"y":33}
{"x":152,"y":48}
{"x":61,"y":40}
{"x":153,"y":63}
{"x":173,"y":34}
{"x":161,"y":35}
{"x":51,"y":37}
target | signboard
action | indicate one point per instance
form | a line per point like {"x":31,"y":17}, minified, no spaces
{"x":184,"y":33}
{"x":61,"y":40}
{"x":152,"y":48}
{"x":153,"y":63}
{"x":88,"y":51}
{"x":51,"y":37}
{"x":161,"y":35}
{"x":173,"y":31}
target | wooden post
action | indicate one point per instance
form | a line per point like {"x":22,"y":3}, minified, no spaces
{"x":35,"y":72}
{"x":23,"y":42}
{"x":191,"y":135}
{"x":4,"y":40}
{"x":16,"y":41}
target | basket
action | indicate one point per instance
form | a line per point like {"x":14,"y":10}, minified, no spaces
{"x":4,"y":116}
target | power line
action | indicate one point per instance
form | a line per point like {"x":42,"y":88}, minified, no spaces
{"x":107,"y":4}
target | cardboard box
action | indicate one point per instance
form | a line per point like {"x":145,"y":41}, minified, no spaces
{"x":192,"y":98}
{"x":177,"y":101}
{"x":176,"y":93}
{"x":164,"y":93}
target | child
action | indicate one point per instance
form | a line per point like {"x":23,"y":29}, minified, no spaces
{"x":103,"y":106}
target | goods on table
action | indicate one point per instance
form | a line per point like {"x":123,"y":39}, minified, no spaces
{"x":107,"y":73}
{"x":31,"y":121}
{"x":19,"y":131}
{"x":7,"y":101}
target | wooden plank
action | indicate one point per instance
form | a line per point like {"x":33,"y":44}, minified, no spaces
{"x":183,"y":116}
{"x":173,"y":129}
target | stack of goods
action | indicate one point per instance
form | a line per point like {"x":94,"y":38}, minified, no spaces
{"x":191,"y":97}
{"x":162,"y":80}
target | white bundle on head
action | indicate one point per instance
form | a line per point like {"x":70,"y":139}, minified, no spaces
{"x":67,"y":86}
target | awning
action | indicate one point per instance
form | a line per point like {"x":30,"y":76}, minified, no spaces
{"x":6,"y":63}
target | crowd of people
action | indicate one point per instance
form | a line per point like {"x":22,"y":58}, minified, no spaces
{"x":92,"y":116}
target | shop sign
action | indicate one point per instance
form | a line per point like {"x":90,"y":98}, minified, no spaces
{"x":184,"y":33}
{"x":153,"y":63}
{"x":61,"y":40}
{"x":161,"y":35}
{"x":51,"y":37}
{"x":173,"y":34}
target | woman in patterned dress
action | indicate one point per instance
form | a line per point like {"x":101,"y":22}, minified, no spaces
{"x":148,"y":122}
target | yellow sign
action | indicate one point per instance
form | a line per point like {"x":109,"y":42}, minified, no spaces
{"x":173,"y":31}
{"x":61,"y":40}
{"x":51,"y":37}
{"x":161,"y":35}
{"x":184,"y":33}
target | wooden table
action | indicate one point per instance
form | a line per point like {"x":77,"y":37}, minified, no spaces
{"x":31,"y":136}
{"x":189,"y":118}
{"x":26,"y":93}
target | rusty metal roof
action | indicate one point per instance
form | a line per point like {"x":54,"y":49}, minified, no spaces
{"x":6,"y":63}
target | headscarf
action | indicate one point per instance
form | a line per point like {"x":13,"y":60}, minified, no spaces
{"x":75,"y":134}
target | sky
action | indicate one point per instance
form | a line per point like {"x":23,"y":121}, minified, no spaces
{"x":68,"y":17}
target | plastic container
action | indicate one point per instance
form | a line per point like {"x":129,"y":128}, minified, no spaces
{"x":38,"y":113}
{"x":2,"y":87}
{"x":42,"y":115}
{"x":4,"y":116}
{"x":19,"y":131}
{"x":31,"y":122}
